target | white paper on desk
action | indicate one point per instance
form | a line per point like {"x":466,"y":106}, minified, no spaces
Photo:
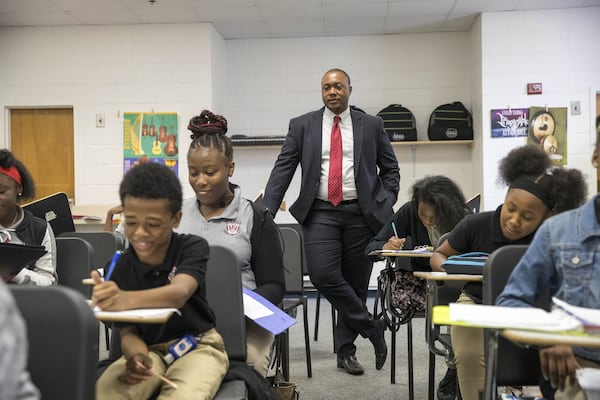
{"x":528,"y":318}
{"x":589,"y":380}
{"x":138,"y":313}
{"x":589,"y":317}
{"x":253,"y":309}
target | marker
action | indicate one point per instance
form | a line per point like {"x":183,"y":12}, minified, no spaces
{"x":111,"y":266}
{"x":394,"y":229}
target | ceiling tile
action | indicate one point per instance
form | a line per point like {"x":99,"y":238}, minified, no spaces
{"x":106,"y":17}
{"x":356,"y":12}
{"x":292,"y":12}
{"x":214,"y":14}
{"x":243,"y":29}
{"x":42,"y":19}
{"x":418,"y":8}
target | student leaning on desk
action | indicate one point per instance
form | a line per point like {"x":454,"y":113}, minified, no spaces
{"x":160,"y":268}
{"x":534,"y":194}
{"x":19,"y":226}
{"x":564,"y":260}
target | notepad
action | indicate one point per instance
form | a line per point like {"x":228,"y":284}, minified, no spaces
{"x":265,"y":313}
{"x":588,"y":317}
{"x":139,"y":315}
{"x":416,"y":250}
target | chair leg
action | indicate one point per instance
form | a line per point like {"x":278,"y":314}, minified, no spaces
{"x":307,"y":338}
{"x":285,"y":354}
{"x":411,"y":385}
{"x":431,"y":389}
{"x":333,"y":325}
{"x":317,"y":312}
{"x":393,"y":360}
{"x":107,"y":336}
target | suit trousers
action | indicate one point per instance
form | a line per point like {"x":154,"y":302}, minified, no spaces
{"x":335,"y":238}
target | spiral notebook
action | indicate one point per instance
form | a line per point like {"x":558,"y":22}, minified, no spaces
{"x":14,"y":257}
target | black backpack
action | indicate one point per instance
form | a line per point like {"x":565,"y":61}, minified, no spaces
{"x":450,"y":122}
{"x":399,"y":123}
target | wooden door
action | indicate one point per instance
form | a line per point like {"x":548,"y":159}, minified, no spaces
{"x":43,"y":140}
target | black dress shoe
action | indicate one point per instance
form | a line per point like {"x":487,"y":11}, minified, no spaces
{"x":351,"y":365}
{"x":379,"y":345}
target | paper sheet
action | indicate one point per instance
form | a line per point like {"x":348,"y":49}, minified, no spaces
{"x":589,"y":317}
{"x":253,"y":309}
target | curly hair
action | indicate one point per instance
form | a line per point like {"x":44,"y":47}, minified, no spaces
{"x":209,"y":131}
{"x":566,"y":188}
{"x":445,"y":196}
{"x":152,"y":181}
{"x":7,"y":160}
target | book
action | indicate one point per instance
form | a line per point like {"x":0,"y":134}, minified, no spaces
{"x":589,"y":318}
{"x":265,"y":313}
{"x":14,"y":257}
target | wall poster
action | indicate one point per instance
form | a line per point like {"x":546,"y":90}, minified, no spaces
{"x":510,"y":122}
{"x":150,"y":137}
{"x":548,"y":129}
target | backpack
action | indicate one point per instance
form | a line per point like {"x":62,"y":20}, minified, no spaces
{"x":450,"y":122}
{"x":399,"y":123}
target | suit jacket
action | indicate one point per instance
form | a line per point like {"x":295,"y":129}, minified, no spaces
{"x":376,"y":171}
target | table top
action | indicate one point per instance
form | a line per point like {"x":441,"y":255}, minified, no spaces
{"x":551,"y":338}
{"x":402,"y":253}
{"x":444,"y":276}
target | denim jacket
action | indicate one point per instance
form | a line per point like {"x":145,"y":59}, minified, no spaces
{"x":564,"y":260}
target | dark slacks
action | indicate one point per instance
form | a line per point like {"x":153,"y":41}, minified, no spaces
{"x":335,"y":239}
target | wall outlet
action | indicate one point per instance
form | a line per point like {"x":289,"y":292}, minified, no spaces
{"x":100,"y":121}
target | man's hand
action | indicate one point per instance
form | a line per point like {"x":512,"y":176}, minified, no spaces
{"x":558,"y":363}
{"x":138,"y":368}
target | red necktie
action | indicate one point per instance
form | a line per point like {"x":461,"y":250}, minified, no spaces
{"x":334,"y":189}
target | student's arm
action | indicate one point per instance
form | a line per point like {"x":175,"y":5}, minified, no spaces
{"x":135,"y":351}
{"x":267,"y":261}
{"x":386,"y":237}
{"x":109,"y":297}
{"x":43,"y":272}
{"x":108,"y":223}
{"x":440,"y":255}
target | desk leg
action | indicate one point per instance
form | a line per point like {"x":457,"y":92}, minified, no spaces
{"x":489,"y":392}
{"x":411,"y":386}
{"x":431,"y":389}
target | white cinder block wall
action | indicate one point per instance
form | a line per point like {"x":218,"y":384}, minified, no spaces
{"x":259,"y":84}
{"x":559,"y":48}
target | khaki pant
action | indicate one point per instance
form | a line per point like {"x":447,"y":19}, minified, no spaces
{"x":258,"y":346}
{"x":467,"y":344}
{"x":198,"y":374}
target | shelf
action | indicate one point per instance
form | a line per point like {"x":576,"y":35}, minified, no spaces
{"x":469,"y":143}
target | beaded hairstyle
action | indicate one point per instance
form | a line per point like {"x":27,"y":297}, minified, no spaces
{"x":209,"y":131}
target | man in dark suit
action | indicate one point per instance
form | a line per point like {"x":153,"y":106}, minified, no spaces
{"x":350,"y":182}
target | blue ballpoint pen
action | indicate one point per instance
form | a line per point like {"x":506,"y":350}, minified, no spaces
{"x":111,"y":266}
{"x":394,"y":229}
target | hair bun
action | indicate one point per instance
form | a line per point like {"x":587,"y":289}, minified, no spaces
{"x":207,"y":122}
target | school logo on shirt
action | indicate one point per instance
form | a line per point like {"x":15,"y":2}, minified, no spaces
{"x":172,"y":273}
{"x":232,"y":228}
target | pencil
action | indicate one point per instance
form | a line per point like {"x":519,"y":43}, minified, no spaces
{"x":394,"y":229}
{"x":161,"y":377}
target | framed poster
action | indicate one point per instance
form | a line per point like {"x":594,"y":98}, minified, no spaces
{"x":511,"y":122}
{"x":548,"y":129}
{"x":150,"y":137}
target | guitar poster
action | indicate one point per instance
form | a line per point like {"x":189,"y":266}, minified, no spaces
{"x":511,"y":122}
{"x":150,"y":137}
{"x":548,"y":129}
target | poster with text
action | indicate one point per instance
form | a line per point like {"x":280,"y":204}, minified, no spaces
{"x":150,"y":137}
{"x":511,"y":122}
{"x":548,"y":129}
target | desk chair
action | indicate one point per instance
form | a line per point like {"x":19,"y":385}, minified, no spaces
{"x":63,"y":340}
{"x":474,"y":203}
{"x":224,"y":295}
{"x":74,"y":262}
{"x":506,"y":363}
{"x":105,"y":244}
{"x":293,"y":261}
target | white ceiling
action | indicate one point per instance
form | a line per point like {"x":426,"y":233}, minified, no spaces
{"x":274,"y":18}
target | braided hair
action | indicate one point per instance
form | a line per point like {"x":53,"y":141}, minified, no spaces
{"x":209,"y":130}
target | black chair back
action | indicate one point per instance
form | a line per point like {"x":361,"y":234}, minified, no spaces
{"x":515,"y":365}
{"x":105,"y":244}
{"x":74,"y":263}
{"x":63,"y":341}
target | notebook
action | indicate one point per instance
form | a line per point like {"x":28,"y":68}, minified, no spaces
{"x":14,"y":257}
{"x":56,"y":210}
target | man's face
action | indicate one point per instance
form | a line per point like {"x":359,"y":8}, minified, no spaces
{"x":335,"y":90}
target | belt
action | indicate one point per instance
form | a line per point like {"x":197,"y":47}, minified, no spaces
{"x":349,"y":201}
